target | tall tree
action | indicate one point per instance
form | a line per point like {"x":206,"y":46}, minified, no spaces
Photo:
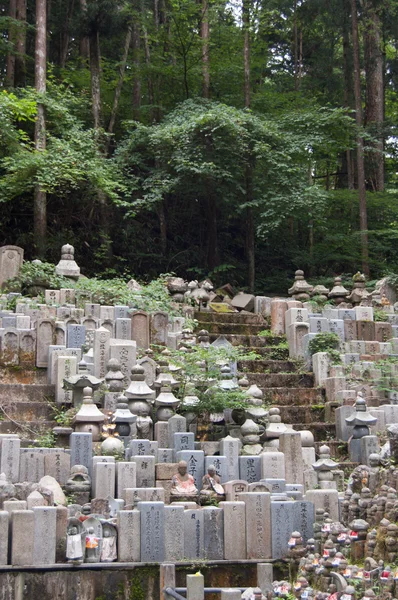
{"x":40,"y":196}
{"x":363,"y":215}
{"x":204,"y":34}
{"x":20,"y":61}
{"x":12,"y":12}
{"x":374,"y":106}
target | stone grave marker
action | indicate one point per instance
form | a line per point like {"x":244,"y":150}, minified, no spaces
{"x":272,"y":465}
{"x":126,"y":475}
{"x":11,"y":259}
{"x":57,"y":465}
{"x":258,"y":524}
{"x":31,"y":466}
{"x":129,"y":536}
{"x":105,"y":480}
{"x":176,"y":424}
{"x":194,"y":534}
{"x":22,"y":537}
{"x":290,"y":445}
{"x":81,"y":449}
{"x":234,"y":530}
{"x":220,"y":464}
{"x":145,"y":470}
{"x":10,"y":457}
{"x":174,"y":533}
{"x":44,"y":339}
{"x":184,"y":441}
{"x":76,"y":336}
{"x":140,"y":328}
{"x":44,"y":544}
{"x":230,"y":448}
{"x":250,"y":468}
{"x":101,"y":351}
{"x":282,"y":526}
{"x":152,"y":531}
{"x":213,"y":532}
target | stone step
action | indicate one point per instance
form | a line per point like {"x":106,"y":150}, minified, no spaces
{"x":264,"y":366}
{"x":29,"y":411}
{"x":230,"y":328}
{"x":269,"y":352}
{"x":293,"y":396}
{"x":27,"y":375}
{"x":254,"y":341}
{"x":291,"y":414}
{"x":281,"y":380}
{"x":321,"y":431}
{"x":214,"y":317}
{"x":25,"y":392}
{"x":31,"y":427}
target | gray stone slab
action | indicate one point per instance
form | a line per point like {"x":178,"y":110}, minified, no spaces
{"x":276,"y":486}
{"x":162,"y":434}
{"x":194,"y":534}
{"x":44,"y":545}
{"x":290,"y":445}
{"x":123,"y":329}
{"x":319,"y":325}
{"x":176,"y":424}
{"x":234,"y":530}
{"x":214,"y":533}
{"x":129,"y":536}
{"x":174,"y":533}
{"x":140,"y":447}
{"x":250,"y":468}
{"x":126,"y":476}
{"x":328,"y":500}
{"x":4,"y":528}
{"x":152,"y":531}
{"x":282,"y":526}
{"x":195,"y":460}
{"x":22,"y":537}
{"x":165,"y":455}
{"x":145,"y":470}
{"x":75,"y":336}
{"x":230,"y":448}
{"x":57,"y":464}
{"x":31,"y":465}
{"x":105,"y":480}
{"x":184,"y":441}
{"x":10,"y":456}
{"x":121,"y":312}
{"x":234,"y":488}
{"x":258,"y":524}
{"x":343,"y":431}
{"x":273,"y":465}
{"x":81,"y":449}
{"x":303,"y":519}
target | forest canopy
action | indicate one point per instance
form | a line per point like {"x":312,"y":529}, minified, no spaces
{"x":239,"y":140}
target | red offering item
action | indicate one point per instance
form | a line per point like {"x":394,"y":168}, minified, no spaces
{"x":354,"y":535}
{"x":292,"y":542}
{"x":385,"y":575}
{"x":92,"y":541}
{"x":326,"y":552}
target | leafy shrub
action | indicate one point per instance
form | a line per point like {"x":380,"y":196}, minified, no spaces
{"x":35,"y":273}
{"x":326,"y":342}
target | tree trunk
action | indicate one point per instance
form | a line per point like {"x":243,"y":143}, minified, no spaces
{"x":246,"y":50}
{"x":212,"y":237}
{"x":20,"y":65}
{"x":204,"y":34}
{"x":118,"y":89}
{"x":84,"y":42}
{"x":65,"y":36}
{"x":40,"y":199}
{"x":295,"y":42}
{"x":363,"y":218}
{"x":95,"y":74}
{"x":374,"y":107}
{"x":151,"y":95}
{"x":10,"y":73}
{"x":163,"y":226}
{"x":137,"y":77}
{"x":348,"y":88}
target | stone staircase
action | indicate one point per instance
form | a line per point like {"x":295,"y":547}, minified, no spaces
{"x":25,"y":398}
{"x":284,"y":382}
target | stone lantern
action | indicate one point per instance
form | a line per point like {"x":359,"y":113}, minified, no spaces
{"x":359,"y":291}
{"x":166,"y":403}
{"x":78,"y":382}
{"x":320,"y":291}
{"x":338,"y":293}
{"x":300,"y":289}
{"x":227,"y":383}
{"x":138,"y":392}
{"x":124,"y":420}
{"x":67,"y":266}
{"x":361,"y":419}
{"x":89,"y":419}
{"x":324,"y":467}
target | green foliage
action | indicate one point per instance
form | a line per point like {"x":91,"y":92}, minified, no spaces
{"x":326,"y":342}
{"x":46,"y":439}
{"x":63,"y":416}
{"x":380,"y":315}
{"x":36,"y":274}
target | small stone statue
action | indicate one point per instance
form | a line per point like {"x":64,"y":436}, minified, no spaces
{"x":79,"y":484}
{"x":144,"y":422}
{"x":183,"y":484}
{"x":211,"y":487}
{"x":109,"y":545}
{"x":75,"y":541}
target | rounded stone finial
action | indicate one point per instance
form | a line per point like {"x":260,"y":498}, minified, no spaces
{"x":113,"y":364}
{"x":68,"y":249}
{"x":87,"y":395}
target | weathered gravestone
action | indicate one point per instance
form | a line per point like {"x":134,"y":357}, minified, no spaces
{"x":152,"y":531}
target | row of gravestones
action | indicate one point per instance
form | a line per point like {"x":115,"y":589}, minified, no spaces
{"x":256,"y":526}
